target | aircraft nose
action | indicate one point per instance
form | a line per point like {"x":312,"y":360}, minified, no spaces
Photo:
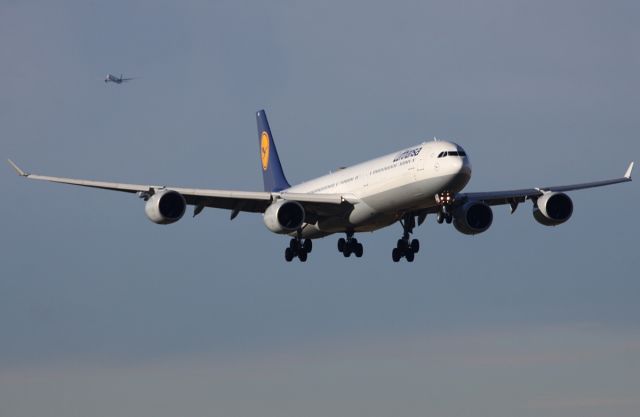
{"x":466,"y":166}
{"x":457,"y":165}
{"x":459,"y":171}
{"x":461,"y":168}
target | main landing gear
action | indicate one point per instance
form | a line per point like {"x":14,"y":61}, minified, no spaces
{"x":350,"y":245}
{"x":298,"y":248}
{"x":406,"y":247}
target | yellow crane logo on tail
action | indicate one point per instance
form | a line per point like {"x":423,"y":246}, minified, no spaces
{"x":264,"y":150}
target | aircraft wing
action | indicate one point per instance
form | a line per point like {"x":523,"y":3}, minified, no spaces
{"x":518,"y":196}
{"x":248,"y":201}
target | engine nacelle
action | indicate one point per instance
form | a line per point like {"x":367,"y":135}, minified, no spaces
{"x":472,"y":218}
{"x":553,"y":209}
{"x":165,"y":207}
{"x":284,"y":216}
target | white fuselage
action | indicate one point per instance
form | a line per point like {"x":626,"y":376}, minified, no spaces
{"x":387,"y":187}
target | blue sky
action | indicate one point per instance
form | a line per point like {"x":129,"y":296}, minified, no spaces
{"x":103,"y":313}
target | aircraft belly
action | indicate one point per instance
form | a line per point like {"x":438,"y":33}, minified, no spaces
{"x":378,"y":210}
{"x":417,"y":194}
{"x":311,"y":231}
{"x":329,"y":225}
{"x":381,"y":208}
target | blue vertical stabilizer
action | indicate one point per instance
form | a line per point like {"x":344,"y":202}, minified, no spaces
{"x":274,"y":179}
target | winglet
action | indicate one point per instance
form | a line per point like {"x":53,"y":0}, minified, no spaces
{"x":627,"y":174}
{"x":17,"y":168}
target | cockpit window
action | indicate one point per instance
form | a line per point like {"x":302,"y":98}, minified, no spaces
{"x":451,"y":153}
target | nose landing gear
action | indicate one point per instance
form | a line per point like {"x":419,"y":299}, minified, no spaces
{"x":445,"y":200}
{"x":444,"y":215}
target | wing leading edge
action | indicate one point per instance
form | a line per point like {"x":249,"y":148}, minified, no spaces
{"x":248,"y":201}
{"x":518,"y":196}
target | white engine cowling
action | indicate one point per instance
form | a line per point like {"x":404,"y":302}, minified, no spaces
{"x":553,"y":209}
{"x":284,"y":216}
{"x":472,"y":218}
{"x":165,"y":207}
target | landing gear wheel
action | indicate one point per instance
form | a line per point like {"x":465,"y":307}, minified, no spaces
{"x":440,"y":217}
{"x":407,"y":247}
{"x":298,"y":249}
{"x":358,"y":250}
{"x":288,"y":254}
{"x":409,"y":255}
{"x":350,"y":245}
{"x":448,"y":218}
{"x":307,"y":245}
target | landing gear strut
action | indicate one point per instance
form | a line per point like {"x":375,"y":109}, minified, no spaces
{"x":445,"y":200}
{"x":406,"y":247}
{"x":350,"y":245}
{"x":444,"y":215}
{"x":298,"y":248}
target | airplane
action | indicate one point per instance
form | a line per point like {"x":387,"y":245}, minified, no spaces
{"x":117,"y":80}
{"x":404,"y":186}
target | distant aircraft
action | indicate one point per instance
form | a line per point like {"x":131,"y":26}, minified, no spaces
{"x":117,"y":80}
{"x":404,"y":186}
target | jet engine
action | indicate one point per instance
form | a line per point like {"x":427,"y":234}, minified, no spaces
{"x":553,"y":209}
{"x":165,"y":207}
{"x":284,"y":216}
{"x":472,"y":218}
